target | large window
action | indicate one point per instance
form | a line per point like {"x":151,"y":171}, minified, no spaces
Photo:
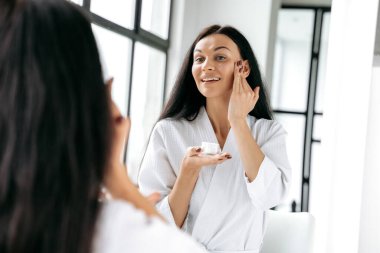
{"x":296,"y":95}
{"x":133,"y":39}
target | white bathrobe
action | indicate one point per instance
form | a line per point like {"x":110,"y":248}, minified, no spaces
{"x":121,"y":228}
{"x":226,"y":212}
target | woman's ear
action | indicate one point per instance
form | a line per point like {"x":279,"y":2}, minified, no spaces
{"x":246,"y":69}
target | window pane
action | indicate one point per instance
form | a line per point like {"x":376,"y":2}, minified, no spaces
{"x":119,"y":12}
{"x":115,"y":53}
{"x":292,"y":60}
{"x":146,"y":101}
{"x":315,"y":167}
{"x":295,"y":126}
{"x":317,"y":127}
{"x":155,"y":17}
{"x":322,"y":62}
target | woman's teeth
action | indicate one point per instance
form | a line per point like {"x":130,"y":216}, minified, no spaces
{"x":210,"y":79}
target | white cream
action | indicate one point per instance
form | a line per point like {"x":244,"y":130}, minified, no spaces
{"x":209,"y":148}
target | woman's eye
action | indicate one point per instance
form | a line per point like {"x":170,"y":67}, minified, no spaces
{"x":198,"y":59}
{"x":220,"y":58}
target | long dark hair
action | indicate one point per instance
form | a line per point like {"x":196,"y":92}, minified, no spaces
{"x":185,"y":100}
{"x":54,"y":128}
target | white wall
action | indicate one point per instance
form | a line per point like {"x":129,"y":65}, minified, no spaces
{"x":369,"y":241}
{"x":253,"y":18}
{"x":347,"y":118}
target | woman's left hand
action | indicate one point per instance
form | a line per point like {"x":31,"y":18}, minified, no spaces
{"x":116,"y":174}
{"x":243,"y":99}
{"x":120,"y":126}
{"x":116,"y":179}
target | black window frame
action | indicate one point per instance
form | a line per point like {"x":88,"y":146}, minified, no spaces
{"x":137,"y":34}
{"x":310,"y":112}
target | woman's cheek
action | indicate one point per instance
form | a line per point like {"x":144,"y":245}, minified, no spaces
{"x":195,"y":73}
{"x":230,"y":76}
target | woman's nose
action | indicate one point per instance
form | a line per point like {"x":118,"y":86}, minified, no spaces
{"x":208,"y":65}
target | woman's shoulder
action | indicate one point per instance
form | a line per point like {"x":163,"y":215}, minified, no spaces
{"x":170,"y":124}
{"x":181,"y":123}
{"x":123,"y":228}
{"x":165,"y":123}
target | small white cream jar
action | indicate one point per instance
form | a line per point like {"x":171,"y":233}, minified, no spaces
{"x":209,"y":148}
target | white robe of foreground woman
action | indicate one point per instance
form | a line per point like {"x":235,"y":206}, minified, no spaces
{"x":226,"y":211}
{"x":121,"y":228}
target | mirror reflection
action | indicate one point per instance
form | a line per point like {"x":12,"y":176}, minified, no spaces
{"x":291,"y":55}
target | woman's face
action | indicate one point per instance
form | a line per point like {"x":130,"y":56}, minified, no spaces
{"x":213,"y":66}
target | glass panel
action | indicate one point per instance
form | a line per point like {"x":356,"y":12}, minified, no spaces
{"x":155,"y":17}
{"x":315,"y":167}
{"x":146,"y":101}
{"x":119,"y":12}
{"x":292,"y":60}
{"x":322,"y":62}
{"x":317,"y":127}
{"x":115,"y":53}
{"x":295,"y":126}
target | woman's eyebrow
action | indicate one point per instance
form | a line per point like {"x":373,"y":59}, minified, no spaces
{"x":215,"y":49}
{"x":221,"y":47}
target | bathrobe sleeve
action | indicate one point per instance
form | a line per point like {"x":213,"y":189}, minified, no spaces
{"x":273,"y":179}
{"x":156,"y":172}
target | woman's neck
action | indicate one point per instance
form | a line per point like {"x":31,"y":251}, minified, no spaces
{"x":217,"y":111}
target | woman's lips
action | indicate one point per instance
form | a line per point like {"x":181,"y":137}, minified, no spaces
{"x":209,"y":80}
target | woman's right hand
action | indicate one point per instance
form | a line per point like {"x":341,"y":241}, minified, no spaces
{"x":194,"y":160}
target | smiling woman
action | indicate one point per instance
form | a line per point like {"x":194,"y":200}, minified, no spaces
{"x":185,"y":100}
{"x":219,"y":97}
